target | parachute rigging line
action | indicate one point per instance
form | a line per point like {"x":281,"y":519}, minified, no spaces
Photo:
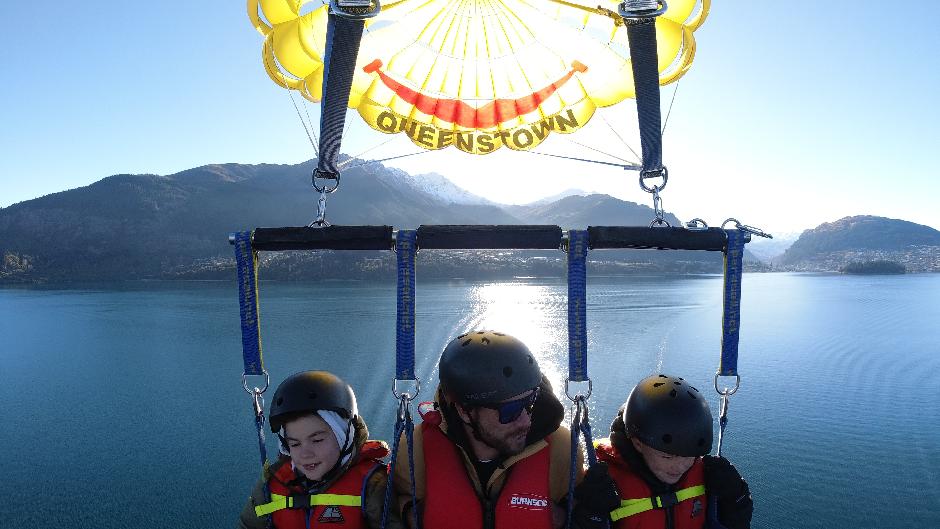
{"x":588,"y":147}
{"x":669,"y":112}
{"x":311,"y":134}
{"x":367,"y":162}
{"x":619,"y":137}
{"x":627,"y":167}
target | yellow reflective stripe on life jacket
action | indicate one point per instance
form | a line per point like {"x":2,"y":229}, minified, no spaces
{"x":336,"y":499}
{"x":279,"y":502}
{"x":633,"y":506}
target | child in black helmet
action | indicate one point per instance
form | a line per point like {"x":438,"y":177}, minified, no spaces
{"x":327,"y":471}
{"x":655,"y":470}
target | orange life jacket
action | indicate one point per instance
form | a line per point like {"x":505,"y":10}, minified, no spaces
{"x":342,"y":503}
{"x":451,"y":502}
{"x":640,"y":508}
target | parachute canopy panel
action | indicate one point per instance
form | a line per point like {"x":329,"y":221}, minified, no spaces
{"x":477,"y":74}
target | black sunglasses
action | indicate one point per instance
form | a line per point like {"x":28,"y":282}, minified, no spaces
{"x":510,"y":411}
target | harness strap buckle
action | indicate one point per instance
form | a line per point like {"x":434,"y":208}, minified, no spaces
{"x":298,"y":501}
{"x":665,"y":500}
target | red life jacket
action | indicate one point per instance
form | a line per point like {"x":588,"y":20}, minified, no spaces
{"x":451,"y":502}
{"x":342,"y":503}
{"x":689,"y":502}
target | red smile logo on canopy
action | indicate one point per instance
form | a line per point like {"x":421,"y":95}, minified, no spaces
{"x":465,"y":115}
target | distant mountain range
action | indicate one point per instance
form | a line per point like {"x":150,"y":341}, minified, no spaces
{"x":865,"y":238}
{"x":150,"y":226}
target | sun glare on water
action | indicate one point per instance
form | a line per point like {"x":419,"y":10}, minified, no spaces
{"x":536,"y":314}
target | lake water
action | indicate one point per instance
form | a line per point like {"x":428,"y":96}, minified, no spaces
{"x":123,"y":405}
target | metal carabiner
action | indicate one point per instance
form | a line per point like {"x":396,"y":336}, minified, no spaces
{"x":747,"y":229}
{"x":634,"y":9}
{"x":355,"y":9}
{"x":267,"y":382}
{"x":399,"y":395}
{"x":726,"y":391}
{"x":654,"y":173}
{"x":578,"y":395}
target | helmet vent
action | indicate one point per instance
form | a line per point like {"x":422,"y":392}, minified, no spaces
{"x":462,"y":335}
{"x":695,"y":389}
{"x":466,"y":343}
{"x":676,"y":382}
{"x":531,"y":360}
{"x":692,"y":395}
{"x":667,"y":439}
{"x":499,"y":333}
{"x":673,"y":393}
{"x":507,"y":371}
{"x":485,"y":341}
{"x":657,"y":384}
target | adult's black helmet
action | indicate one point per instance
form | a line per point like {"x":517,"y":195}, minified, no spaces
{"x":670,"y":415}
{"x":483,"y":367}
{"x":311,"y":391}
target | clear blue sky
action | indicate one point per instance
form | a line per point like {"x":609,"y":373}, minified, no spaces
{"x":793,"y":114}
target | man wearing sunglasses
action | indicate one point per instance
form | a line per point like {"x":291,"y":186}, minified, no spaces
{"x":492,"y":454}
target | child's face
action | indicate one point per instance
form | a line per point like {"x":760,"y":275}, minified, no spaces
{"x":666,"y":467}
{"x":312,"y":445}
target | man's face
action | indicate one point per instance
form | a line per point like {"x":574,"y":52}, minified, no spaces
{"x":666,"y":467}
{"x":507,"y":439}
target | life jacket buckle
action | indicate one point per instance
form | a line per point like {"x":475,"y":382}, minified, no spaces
{"x":298,"y":501}
{"x":665,"y":500}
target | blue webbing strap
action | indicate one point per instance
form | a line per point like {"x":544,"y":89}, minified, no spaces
{"x":641,"y":36}
{"x":580,"y":426}
{"x":259,"y":425}
{"x":343,"y":36}
{"x":246,"y":262}
{"x":711,"y":522}
{"x":731,"y":320}
{"x":406,"y":247}
{"x":406,"y":425}
{"x":577,"y":312}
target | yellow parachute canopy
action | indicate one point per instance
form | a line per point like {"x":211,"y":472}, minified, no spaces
{"x":477,"y":74}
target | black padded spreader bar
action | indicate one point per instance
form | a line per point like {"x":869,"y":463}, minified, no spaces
{"x":490,"y":237}
{"x":711,"y":239}
{"x":328,"y":238}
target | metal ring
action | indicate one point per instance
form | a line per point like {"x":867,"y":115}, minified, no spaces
{"x":696,"y":224}
{"x":406,"y":395}
{"x":574,"y":398}
{"x":737,"y":223}
{"x":725,"y":392}
{"x":355,"y":11}
{"x":660,"y":222}
{"x":267,"y":382}
{"x":623,"y":11}
{"x":325,"y":175}
{"x":660,"y":173}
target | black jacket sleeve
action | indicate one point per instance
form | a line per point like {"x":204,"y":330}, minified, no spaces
{"x":725,"y":484}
